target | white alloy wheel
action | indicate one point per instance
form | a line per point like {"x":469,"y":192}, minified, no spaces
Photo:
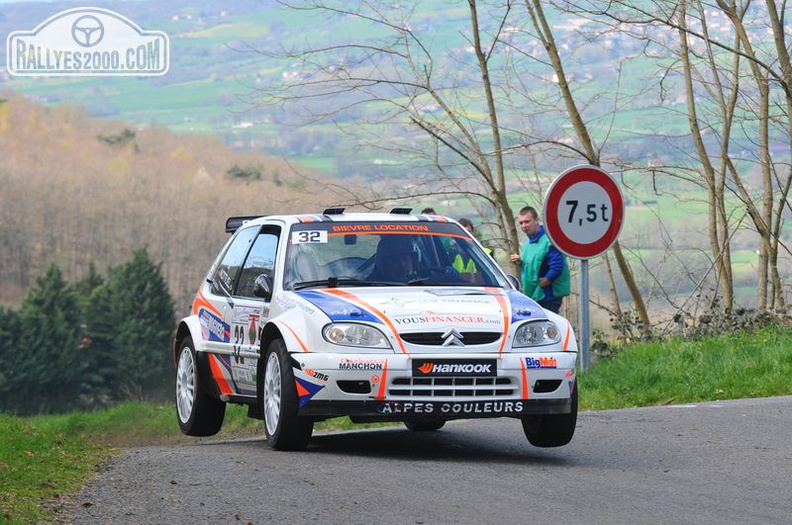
{"x":185,"y":385}
{"x":197,"y":411}
{"x":272,"y":393}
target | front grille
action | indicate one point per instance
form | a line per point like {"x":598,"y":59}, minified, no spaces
{"x":452,"y":387}
{"x":436,"y":338}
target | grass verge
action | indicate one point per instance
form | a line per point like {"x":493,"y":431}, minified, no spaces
{"x":46,"y":457}
{"x":37,"y":467}
{"x":735,"y":365}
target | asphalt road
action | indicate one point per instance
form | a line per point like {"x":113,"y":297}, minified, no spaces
{"x":722,"y":463}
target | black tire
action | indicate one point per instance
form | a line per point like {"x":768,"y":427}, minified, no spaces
{"x":198,"y":413}
{"x":424,"y":426}
{"x":284,"y":429}
{"x":552,"y":430}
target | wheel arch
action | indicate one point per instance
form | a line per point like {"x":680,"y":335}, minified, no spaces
{"x":269,"y":333}
{"x":188,"y":327}
{"x":191,"y":327}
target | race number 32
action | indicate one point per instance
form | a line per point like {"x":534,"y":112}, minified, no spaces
{"x":309,"y":236}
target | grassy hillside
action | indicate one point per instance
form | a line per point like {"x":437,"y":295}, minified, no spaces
{"x":45,"y":458}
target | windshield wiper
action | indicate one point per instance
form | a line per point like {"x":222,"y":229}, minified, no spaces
{"x":430,"y":280}
{"x":333,"y":282}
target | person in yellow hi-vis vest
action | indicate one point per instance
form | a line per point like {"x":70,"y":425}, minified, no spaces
{"x":467,"y":268}
{"x":463,"y":267}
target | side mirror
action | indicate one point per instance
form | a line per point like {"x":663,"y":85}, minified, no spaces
{"x":514,"y":282}
{"x":262,"y":287}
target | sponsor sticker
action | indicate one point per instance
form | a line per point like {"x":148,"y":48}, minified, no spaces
{"x":454,"y":367}
{"x":214,"y":327}
{"x":360,"y":364}
{"x":450,"y":408}
{"x":446,"y":319}
{"x":87,"y":41}
{"x":319,"y":376}
{"x":541,"y":362}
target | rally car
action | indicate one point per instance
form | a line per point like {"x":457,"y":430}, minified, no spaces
{"x":374,"y":316}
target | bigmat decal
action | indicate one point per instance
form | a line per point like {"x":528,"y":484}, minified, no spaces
{"x":541,"y":362}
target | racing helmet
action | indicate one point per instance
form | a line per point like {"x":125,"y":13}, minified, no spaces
{"x":391,"y":246}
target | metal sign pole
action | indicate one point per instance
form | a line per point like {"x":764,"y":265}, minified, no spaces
{"x":584,"y":315}
{"x":583,"y":215}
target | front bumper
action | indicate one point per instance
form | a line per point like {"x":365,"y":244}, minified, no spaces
{"x":397,"y":387}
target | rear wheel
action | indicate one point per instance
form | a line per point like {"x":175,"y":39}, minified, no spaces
{"x":284,"y":429}
{"x":199,"y":414}
{"x":552,"y":430}
{"x":424,"y":426}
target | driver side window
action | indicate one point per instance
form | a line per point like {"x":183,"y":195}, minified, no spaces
{"x":228,"y":271}
{"x":261,"y":260}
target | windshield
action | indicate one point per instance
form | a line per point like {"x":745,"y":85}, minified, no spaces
{"x":331,"y":254}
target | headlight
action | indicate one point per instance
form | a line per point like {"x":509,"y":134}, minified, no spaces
{"x":353,"y":334}
{"x":540,"y":333}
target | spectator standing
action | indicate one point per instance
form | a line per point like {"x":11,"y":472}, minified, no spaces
{"x":545,"y":271}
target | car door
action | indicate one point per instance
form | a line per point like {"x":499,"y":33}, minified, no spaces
{"x":217,"y":304}
{"x":250,"y":312}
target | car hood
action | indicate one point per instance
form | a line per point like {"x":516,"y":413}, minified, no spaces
{"x":409,"y":310}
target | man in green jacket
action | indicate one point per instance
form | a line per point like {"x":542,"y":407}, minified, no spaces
{"x":545,"y":271}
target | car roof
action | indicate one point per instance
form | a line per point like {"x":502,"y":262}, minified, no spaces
{"x":333,"y":215}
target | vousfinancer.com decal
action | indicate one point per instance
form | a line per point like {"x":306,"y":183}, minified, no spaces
{"x":87,"y":41}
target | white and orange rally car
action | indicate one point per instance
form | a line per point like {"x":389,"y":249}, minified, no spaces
{"x":375,"y":316}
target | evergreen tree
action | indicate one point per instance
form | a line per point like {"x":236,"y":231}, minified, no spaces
{"x":9,"y":355}
{"x":46,"y":364}
{"x":85,"y":287}
{"x":99,"y":353}
{"x":131,"y":322}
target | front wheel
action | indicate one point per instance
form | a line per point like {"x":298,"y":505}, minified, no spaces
{"x":284,"y":429}
{"x":199,"y":414}
{"x":552,"y":430}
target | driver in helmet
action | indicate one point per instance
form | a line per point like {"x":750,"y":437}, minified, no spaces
{"x":396,"y":259}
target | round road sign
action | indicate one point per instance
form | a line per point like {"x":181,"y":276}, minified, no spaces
{"x":583,"y":212}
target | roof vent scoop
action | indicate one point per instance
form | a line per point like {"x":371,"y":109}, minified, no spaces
{"x":333,"y":211}
{"x":401,"y":211}
{"x":233,"y":223}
